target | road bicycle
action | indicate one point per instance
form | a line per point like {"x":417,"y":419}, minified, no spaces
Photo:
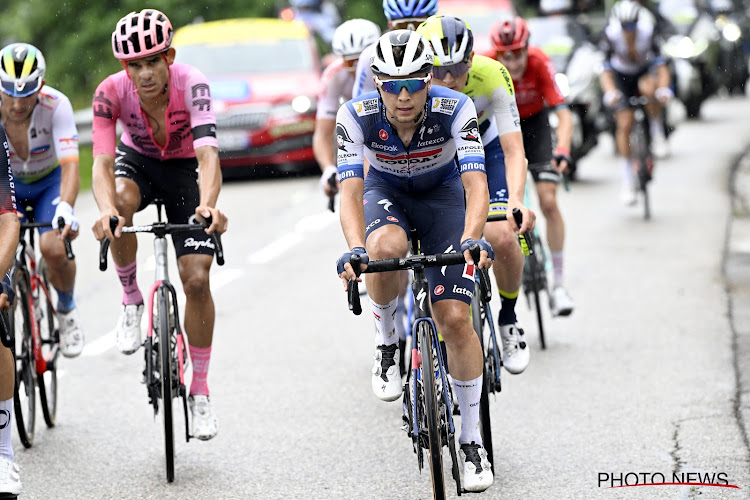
{"x":34,"y":327}
{"x":428,"y":401}
{"x":165,"y":350}
{"x":640,"y":149}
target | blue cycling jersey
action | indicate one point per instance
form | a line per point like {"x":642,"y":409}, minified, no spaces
{"x":449,"y":129}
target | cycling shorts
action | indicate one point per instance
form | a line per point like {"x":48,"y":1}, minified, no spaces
{"x":628,"y":84}
{"x":494,"y":163}
{"x":42,"y":195}
{"x":438,"y":215}
{"x":175,"y":182}
{"x":537,"y":142}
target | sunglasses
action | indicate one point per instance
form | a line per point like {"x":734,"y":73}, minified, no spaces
{"x":410,"y":84}
{"x":407,"y":23}
{"x":26,"y":89}
{"x":631,"y":26}
{"x":456,"y":70}
{"x":511,"y":54}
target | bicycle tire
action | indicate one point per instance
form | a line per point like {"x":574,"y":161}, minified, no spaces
{"x":49,"y":336}
{"x":24,"y":389}
{"x":536,"y":269}
{"x":485,"y":424}
{"x":640,"y":150}
{"x":165,"y":353}
{"x":432,"y":411}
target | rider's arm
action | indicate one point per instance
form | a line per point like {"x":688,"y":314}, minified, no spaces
{"x":351,"y":174}
{"x":9,"y":225}
{"x":106,"y":109}
{"x":209,"y":175}
{"x":325,"y":117}
{"x":323,"y":142}
{"x":470,"y":154}
{"x":65,"y":137}
{"x":606,"y":78}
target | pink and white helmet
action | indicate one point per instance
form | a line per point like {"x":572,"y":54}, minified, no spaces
{"x":140,"y":34}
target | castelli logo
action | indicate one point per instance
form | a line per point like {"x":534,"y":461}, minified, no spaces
{"x":392,"y":218}
{"x":383,"y":135}
{"x":439,"y":290}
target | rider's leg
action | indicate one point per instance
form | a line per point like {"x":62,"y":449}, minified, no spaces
{"x":547,"y":192}
{"x":199,"y":316}
{"x":624,"y":119}
{"x":647,"y":88}
{"x":508,"y":267}
{"x":7,"y":382}
{"x":60,"y":271}
{"x":124,"y":248}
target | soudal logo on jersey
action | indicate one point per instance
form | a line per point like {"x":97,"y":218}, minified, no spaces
{"x":366,"y":107}
{"x":404,"y":159}
{"x":445,"y":105}
{"x":383,"y":135}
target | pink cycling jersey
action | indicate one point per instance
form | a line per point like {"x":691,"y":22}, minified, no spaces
{"x":190,"y":119}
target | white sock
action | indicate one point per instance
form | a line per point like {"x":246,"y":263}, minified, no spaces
{"x":385,"y":327}
{"x":627,"y":172}
{"x":400,"y":319}
{"x":468,"y":395}
{"x":657,"y":126}
{"x":6,"y":428}
{"x":557,"y":266}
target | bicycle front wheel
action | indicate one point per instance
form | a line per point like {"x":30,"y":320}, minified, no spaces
{"x":49,"y":337}
{"x":165,"y":353}
{"x":538,"y":282}
{"x":479,"y":315}
{"x":24,"y":391}
{"x":432,"y":412}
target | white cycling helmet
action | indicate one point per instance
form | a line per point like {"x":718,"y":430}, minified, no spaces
{"x":22,"y":69}
{"x":626,"y":11}
{"x":402,"y":53}
{"x":548,"y":6}
{"x":353,"y":36}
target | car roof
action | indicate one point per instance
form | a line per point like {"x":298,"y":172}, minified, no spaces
{"x":231,"y":30}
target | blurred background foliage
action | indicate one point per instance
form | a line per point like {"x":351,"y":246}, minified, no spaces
{"x":74,"y":35}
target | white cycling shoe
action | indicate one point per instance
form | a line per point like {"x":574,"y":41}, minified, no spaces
{"x":71,"y":334}
{"x":560,"y":302}
{"x":386,"y":375}
{"x":204,"y":424}
{"x":477,"y":469}
{"x":129,"y":328}
{"x":516,"y":352}
{"x":10,"y":479}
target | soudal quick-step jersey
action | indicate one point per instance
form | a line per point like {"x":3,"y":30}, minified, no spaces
{"x":448,"y":130}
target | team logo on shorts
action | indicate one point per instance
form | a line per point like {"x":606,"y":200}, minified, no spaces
{"x":342,"y":137}
{"x":470,"y":131}
{"x":383,"y":135}
{"x":439,"y":290}
{"x":392,"y":218}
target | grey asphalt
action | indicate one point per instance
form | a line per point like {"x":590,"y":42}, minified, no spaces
{"x":645,"y":376}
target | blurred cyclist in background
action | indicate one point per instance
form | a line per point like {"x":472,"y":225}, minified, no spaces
{"x":43,"y":143}
{"x":488,"y":84}
{"x":349,"y":40}
{"x":402,"y":15}
{"x":321,"y":18}
{"x":634,"y":66}
{"x":175,"y":160}
{"x":537,"y":92}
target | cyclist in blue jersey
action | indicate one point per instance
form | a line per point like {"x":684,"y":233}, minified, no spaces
{"x":410,"y":135}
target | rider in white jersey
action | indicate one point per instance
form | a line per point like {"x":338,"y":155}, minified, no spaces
{"x":349,"y":40}
{"x":43,"y":144}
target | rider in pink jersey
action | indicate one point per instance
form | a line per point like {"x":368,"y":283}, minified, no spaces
{"x":168,"y":150}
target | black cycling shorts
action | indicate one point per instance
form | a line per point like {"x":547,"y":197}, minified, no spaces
{"x":537,"y":142}
{"x":175,"y":182}
{"x":628,"y":84}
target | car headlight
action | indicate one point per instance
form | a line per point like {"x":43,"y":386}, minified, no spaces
{"x":684,"y":47}
{"x":302,"y":104}
{"x":731,"y":32}
{"x":562,"y":84}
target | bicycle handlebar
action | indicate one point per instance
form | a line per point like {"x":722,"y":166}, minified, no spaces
{"x":60,"y":226}
{"x":161,"y":228}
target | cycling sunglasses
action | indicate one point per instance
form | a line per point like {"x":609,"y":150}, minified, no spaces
{"x":456,"y":70}
{"x":630,"y":26}
{"x":511,"y":54}
{"x":410,"y":84}
{"x":26,"y":89}
{"x":350,"y":62}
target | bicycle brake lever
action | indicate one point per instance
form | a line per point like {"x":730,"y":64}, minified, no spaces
{"x":66,"y":242}
{"x":523,"y":239}
{"x":352,"y":289}
{"x":332,"y":183}
{"x":104,"y":244}
{"x":216,"y":237}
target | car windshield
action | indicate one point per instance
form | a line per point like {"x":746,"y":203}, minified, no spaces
{"x":251,"y":57}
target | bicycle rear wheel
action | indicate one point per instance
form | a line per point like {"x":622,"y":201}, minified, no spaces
{"x":49,"y":336}
{"x":432,"y":412}
{"x":537,"y":282}
{"x":165,"y":353}
{"x":640,"y":150}
{"x":24,"y":391}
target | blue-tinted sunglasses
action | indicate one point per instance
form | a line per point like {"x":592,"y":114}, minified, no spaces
{"x":24,"y":90}
{"x":630,"y":26}
{"x":410,"y":84}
